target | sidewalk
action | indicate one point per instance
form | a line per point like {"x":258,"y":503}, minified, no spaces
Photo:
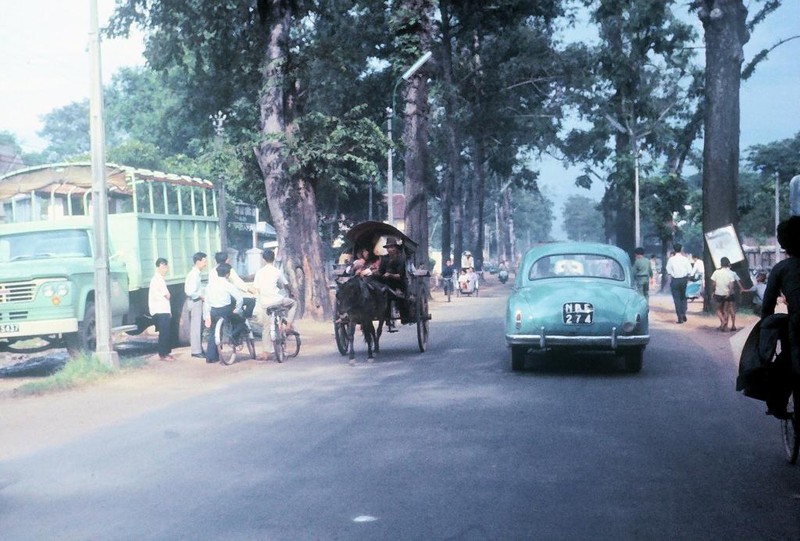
{"x":662,"y":310}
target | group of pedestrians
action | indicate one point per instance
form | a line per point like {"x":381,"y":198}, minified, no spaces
{"x":225,"y":295}
{"x":725,"y":286}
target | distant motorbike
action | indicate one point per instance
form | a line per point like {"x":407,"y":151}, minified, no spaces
{"x":694,"y":290}
{"x":502,"y":276}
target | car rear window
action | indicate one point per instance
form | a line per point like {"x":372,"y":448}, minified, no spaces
{"x":573,"y":265}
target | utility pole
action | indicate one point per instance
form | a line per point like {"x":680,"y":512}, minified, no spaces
{"x":218,"y":121}
{"x":102,"y":282}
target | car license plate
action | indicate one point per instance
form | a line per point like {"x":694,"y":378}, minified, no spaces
{"x":9,"y":327}
{"x":578,"y":313}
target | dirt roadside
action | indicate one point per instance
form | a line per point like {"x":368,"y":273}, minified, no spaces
{"x":32,"y":423}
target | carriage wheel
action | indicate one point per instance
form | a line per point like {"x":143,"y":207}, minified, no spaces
{"x":422,"y":319}
{"x":342,"y":338}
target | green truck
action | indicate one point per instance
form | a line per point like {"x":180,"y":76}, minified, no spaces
{"x":47,"y":262}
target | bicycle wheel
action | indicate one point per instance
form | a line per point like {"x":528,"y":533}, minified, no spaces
{"x":789,"y":429}
{"x":225,"y":347}
{"x":342,"y":338}
{"x":278,"y":345}
{"x":291,"y":345}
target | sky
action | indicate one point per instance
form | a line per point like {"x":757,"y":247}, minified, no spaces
{"x":44,"y":62}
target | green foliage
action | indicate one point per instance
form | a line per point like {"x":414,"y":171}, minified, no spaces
{"x":638,"y":75}
{"x":662,"y":200}
{"x":67,"y":130}
{"x":583,"y":220}
{"x":533,"y":217}
{"x":782,"y":157}
{"x":340,"y":155}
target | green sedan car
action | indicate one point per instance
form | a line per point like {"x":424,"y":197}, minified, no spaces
{"x":576,"y":296}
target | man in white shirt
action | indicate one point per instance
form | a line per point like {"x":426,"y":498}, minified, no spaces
{"x":269,"y":281}
{"x":679,"y":269}
{"x":159,"y":306}
{"x":193,"y":309}
{"x":236,"y":280}
{"x":222,"y":300}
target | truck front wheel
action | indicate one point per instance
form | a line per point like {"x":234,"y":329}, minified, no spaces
{"x":85,"y":340}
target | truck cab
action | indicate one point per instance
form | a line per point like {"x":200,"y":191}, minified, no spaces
{"x":47,"y":261}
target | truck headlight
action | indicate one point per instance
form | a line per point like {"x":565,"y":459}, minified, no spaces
{"x":55,"y":290}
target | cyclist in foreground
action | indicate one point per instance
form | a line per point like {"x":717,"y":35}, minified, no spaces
{"x":784,"y":279}
{"x":269,"y":281}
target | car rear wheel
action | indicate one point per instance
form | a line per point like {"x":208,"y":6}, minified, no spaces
{"x":518,"y":354}
{"x":633,"y":360}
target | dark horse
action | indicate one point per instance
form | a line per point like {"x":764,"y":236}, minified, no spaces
{"x":362,"y":301}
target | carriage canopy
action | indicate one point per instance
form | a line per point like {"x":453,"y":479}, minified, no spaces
{"x":374,"y":234}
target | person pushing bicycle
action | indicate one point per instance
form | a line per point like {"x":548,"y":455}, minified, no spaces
{"x":223,"y":300}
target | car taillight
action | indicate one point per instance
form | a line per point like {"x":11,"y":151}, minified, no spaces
{"x":518,"y":320}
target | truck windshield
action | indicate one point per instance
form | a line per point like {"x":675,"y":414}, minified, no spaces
{"x":45,"y":244}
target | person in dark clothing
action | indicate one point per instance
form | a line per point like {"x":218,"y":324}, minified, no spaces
{"x":784,"y":279}
{"x":392,"y":272}
{"x":448,"y":269}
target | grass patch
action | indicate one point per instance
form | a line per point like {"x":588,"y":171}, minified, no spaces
{"x":77,"y":371}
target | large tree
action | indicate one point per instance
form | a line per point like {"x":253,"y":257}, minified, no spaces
{"x":260,"y":62}
{"x":499,"y":105}
{"x":632,"y":90}
{"x":411,"y":27}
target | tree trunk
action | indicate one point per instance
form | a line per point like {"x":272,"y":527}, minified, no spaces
{"x":725,"y":36}
{"x":292,"y":202}
{"x":415,"y":139}
{"x":452,"y":171}
{"x":479,"y":193}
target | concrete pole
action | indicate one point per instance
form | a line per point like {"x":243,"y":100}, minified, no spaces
{"x":104,"y":348}
{"x":637,"y":222}
{"x":218,"y":120}
{"x":389,"y":172}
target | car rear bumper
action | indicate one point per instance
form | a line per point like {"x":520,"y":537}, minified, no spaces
{"x":546,"y":341}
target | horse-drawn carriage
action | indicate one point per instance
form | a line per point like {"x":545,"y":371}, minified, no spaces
{"x":363,"y":298}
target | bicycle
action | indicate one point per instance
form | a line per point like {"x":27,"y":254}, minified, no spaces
{"x":231,"y":340}
{"x":284,"y":343}
{"x":447,"y":287}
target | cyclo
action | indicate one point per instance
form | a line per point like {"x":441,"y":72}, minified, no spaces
{"x":411,"y":302}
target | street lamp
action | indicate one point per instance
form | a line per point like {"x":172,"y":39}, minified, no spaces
{"x":635,"y":152}
{"x":390,"y":113}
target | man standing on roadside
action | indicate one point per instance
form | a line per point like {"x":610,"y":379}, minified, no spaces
{"x":160,"y":309}
{"x":679,"y":269}
{"x":642,"y":272}
{"x":193,"y":287}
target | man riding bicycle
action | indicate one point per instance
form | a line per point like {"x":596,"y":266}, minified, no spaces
{"x":448,"y":269}
{"x":269,"y":280}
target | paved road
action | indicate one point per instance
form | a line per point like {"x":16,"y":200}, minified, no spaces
{"x":449,"y":444}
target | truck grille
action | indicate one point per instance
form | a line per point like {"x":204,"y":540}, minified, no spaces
{"x":17,"y":292}
{"x":19,"y":315}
